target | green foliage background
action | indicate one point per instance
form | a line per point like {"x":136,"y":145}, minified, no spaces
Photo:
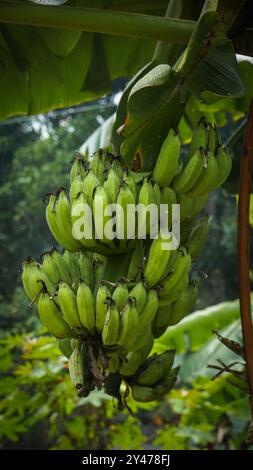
{"x":38,"y":406}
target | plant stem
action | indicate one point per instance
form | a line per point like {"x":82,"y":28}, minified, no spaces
{"x":164,"y":49}
{"x":243,"y":250}
{"x":101,"y":21}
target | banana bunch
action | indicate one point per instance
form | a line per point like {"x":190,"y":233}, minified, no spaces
{"x":206,"y":166}
{"x":154,"y":377}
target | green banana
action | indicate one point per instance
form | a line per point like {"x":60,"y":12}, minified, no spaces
{"x":168,"y":197}
{"x":62,"y":267}
{"x":167,"y":164}
{"x":162,"y":317}
{"x":111,"y":185}
{"x":49,"y":267}
{"x":131,"y":363}
{"x":58,"y":234}
{"x":157,"y":262}
{"x":130,"y":181}
{"x":207,"y":179}
{"x":129,"y":319}
{"x":76,"y":187}
{"x":199,"y":138}
{"x":100,"y":203}
{"x":83,"y":225}
{"x":190,"y":173}
{"x":63,"y":218}
{"x":86,"y":307}
{"x":147,"y":199}
{"x":125,"y":197}
{"x":197,"y":238}
{"x":86,"y":269}
{"x":89,"y":185}
{"x":51,"y":317}
{"x":114,"y":363}
{"x":150,"y":375}
{"x":166,"y":359}
{"x":180,"y":267}
{"x":97,"y":166}
{"x":149,"y":310}
{"x":120,"y":295}
{"x":98,"y":267}
{"x":111,"y":326}
{"x":158,"y":194}
{"x":72,"y":263}
{"x":174,"y":293}
{"x":65,"y":347}
{"x":103,"y":294}
{"x":34,"y":279}
{"x":79,"y":369}
{"x":136,"y":262}
{"x":224,"y":164}
{"x":68,"y":305}
{"x":142,"y":393}
{"x":183,"y":304}
{"x":139,"y":293}
{"x":165,"y":385}
{"x":212,"y":137}
{"x":79,"y":167}
{"x":115,"y":166}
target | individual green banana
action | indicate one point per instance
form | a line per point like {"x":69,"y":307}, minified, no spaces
{"x":136,"y":262}
{"x":130,"y":181}
{"x":111,"y":326}
{"x":115,"y":165}
{"x":139,"y":293}
{"x":86,"y":269}
{"x":79,"y":167}
{"x":68,"y":305}
{"x":114,"y":363}
{"x":142,"y":393}
{"x":125,"y":197}
{"x":34,"y":279}
{"x":207,"y":179}
{"x":76,"y":187}
{"x":62,"y":267}
{"x":83,"y":224}
{"x":49,"y":267}
{"x":224,"y":164}
{"x":183,"y":304}
{"x":162,"y":317}
{"x":199,"y":138}
{"x":120,"y":295}
{"x":168,"y":197}
{"x":111,"y":186}
{"x":65,"y":347}
{"x":150,"y":375}
{"x":158,"y":259}
{"x":198,"y":237}
{"x":212,"y":138}
{"x":103,"y":294}
{"x":58,"y":234}
{"x":71,"y":261}
{"x":63,"y":218}
{"x":190,"y":173}
{"x":79,"y":363}
{"x":174,"y":293}
{"x":180,"y":267}
{"x":100,"y":203}
{"x":89,"y":185}
{"x":129,"y":319}
{"x":166,"y":359}
{"x":86,"y":307}
{"x":97,"y":166}
{"x":158,"y":194}
{"x":165,"y":385}
{"x":149,"y":310}
{"x":167,"y":164}
{"x":98,"y":267}
{"x":51,"y":317}
{"x":146,"y":201}
{"x":131,"y":363}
